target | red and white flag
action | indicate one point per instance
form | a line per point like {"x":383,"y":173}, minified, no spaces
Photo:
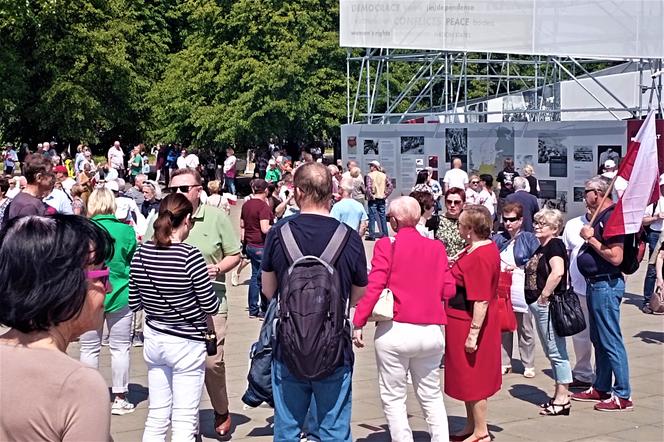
{"x":640,"y":169}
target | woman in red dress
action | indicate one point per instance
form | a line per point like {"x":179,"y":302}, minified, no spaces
{"x":472,"y":338}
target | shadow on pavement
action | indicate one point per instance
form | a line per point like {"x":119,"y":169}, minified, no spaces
{"x":650,"y":337}
{"x":137,"y":393}
{"x":529,"y":393}
{"x":382,"y":434}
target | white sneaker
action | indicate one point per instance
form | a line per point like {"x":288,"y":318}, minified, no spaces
{"x":235,"y":278}
{"x":121,"y":407}
{"x":529,"y":373}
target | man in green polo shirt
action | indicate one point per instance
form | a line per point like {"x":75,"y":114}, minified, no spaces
{"x":214,"y":236}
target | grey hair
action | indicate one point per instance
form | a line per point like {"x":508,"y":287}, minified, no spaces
{"x":406,"y":210}
{"x":552,"y":217}
{"x":599,"y":183}
{"x":520,"y":183}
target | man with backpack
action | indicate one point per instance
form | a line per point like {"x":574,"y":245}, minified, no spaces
{"x":599,"y":261}
{"x":316,"y":267}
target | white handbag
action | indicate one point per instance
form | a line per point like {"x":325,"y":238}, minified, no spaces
{"x":384,"y":308}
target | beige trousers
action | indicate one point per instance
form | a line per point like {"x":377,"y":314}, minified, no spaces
{"x":215,"y":368}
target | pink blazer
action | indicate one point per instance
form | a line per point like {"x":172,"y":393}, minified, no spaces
{"x":420,"y":279}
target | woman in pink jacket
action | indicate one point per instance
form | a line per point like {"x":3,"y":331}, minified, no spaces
{"x":413,"y":341}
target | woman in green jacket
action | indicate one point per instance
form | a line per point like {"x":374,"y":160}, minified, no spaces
{"x":118,"y":316}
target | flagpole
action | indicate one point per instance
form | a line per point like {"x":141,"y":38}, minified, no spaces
{"x":606,"y":195}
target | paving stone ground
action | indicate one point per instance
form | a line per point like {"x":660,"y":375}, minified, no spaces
{"x":513,"y":412}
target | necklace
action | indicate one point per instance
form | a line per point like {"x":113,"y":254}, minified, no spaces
{"x":478,"y":244}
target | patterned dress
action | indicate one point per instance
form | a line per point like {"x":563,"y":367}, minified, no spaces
{"x":448,"y":233}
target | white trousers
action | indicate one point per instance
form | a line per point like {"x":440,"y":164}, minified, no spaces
{"x":119,"y":342}
{"x":176,"y":373}
{"x":400,"y":348}
{"x":583,"y":349}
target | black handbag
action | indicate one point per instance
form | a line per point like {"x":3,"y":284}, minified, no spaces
{"x":565,"y":313}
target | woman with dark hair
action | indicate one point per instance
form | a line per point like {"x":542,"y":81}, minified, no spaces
{"x":516,"y":248}
{"x":448,"y":227}
{"x":117,"y":314}
{"x":422,"y":182}
{"x":472,"y":338}
{"x":170,"y":282}
{"x":47,"y":305}
{"x":427,"y":207}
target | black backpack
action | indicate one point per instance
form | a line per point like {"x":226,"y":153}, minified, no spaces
{"x":634,"y":250}
{"x":313,"y":330}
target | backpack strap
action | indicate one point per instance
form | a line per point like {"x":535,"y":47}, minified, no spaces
{"x":291,"y":249}
{"x":335,"y":246}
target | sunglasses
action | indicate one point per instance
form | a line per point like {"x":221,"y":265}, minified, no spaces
{"x":102,"y":275}
{"x":183,"y":189}
{"x":587,"y":191}
{"x":454,"y":202}
{"x":511,"y":219}
{"x":474,"y":182}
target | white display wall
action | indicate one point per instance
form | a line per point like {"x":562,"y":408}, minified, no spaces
{"x":563,"y":154}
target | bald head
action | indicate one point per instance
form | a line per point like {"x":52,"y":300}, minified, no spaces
{"x":313,"y":182}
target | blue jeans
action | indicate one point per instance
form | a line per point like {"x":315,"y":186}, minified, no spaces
{"x":651,"y":276}
{"x":230,"y":184}
{"x":555,"y":347}
{"x":293,"y":397}
{"x":377,"y":214}
{"x":604,"y":298}
{"x":255,"y":254}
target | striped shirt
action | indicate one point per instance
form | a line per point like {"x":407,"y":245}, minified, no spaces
{"x":173,"y":287}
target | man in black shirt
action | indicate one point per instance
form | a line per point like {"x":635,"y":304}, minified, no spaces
{"x":312,"y":229}
{"x":599,"y":262}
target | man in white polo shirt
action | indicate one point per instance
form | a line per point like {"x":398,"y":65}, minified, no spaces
{"x":653,"y":221}
{"x":582,"y":373}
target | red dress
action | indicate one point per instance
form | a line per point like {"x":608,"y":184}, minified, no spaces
{"x":473,"y":376}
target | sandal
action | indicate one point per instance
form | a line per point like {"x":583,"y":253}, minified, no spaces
{"x":556,"y":409}
{"x":546,"y":404}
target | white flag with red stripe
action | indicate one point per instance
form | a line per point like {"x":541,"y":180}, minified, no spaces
{"x":640,"y":169}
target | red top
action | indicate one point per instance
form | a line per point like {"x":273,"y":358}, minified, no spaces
{"x":253,"y":211}
{"x":420,"y":279}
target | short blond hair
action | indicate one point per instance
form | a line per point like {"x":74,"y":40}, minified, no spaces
{"x":101,"y":202}
{"x":528,"y":170}
{"x":355,"y":172}
{"x":214,"y":186}
{"x":551,"y":217}
{"x":406,"y":210}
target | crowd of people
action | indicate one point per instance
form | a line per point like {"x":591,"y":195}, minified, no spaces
{"x":152,"y":273}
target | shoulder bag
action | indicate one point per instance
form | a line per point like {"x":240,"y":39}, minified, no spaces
{"x":384,"y":308}
{"x":565,"y":312}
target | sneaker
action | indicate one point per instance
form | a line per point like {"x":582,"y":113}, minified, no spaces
{"x":506,"y":369}
{"x":591,"y":395}
{"x":615,"y":403}
{"x":235,"y":278}
{"x":121,"y":407}
{"x":579,"y":385}
{"x":529,"y":373}
{"x":137,"y":341}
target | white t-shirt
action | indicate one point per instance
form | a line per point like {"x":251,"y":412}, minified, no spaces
{"x":229,"y":163}
{"x":59,"y":200}
{"x":659,"y":208}
{"x":483,"y":198}
{"x":115,"y":158}
{"x":518,"y":279}
{"x":182,"y":162}
{"x":456,"y":178}
{"x":191,"y":161}
{"x":573,"y":242}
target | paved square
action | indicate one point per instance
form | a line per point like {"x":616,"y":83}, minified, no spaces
{"x":513,"y":412}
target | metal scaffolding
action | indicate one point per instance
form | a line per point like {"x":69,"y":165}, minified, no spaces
{"x":437,"y":83}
